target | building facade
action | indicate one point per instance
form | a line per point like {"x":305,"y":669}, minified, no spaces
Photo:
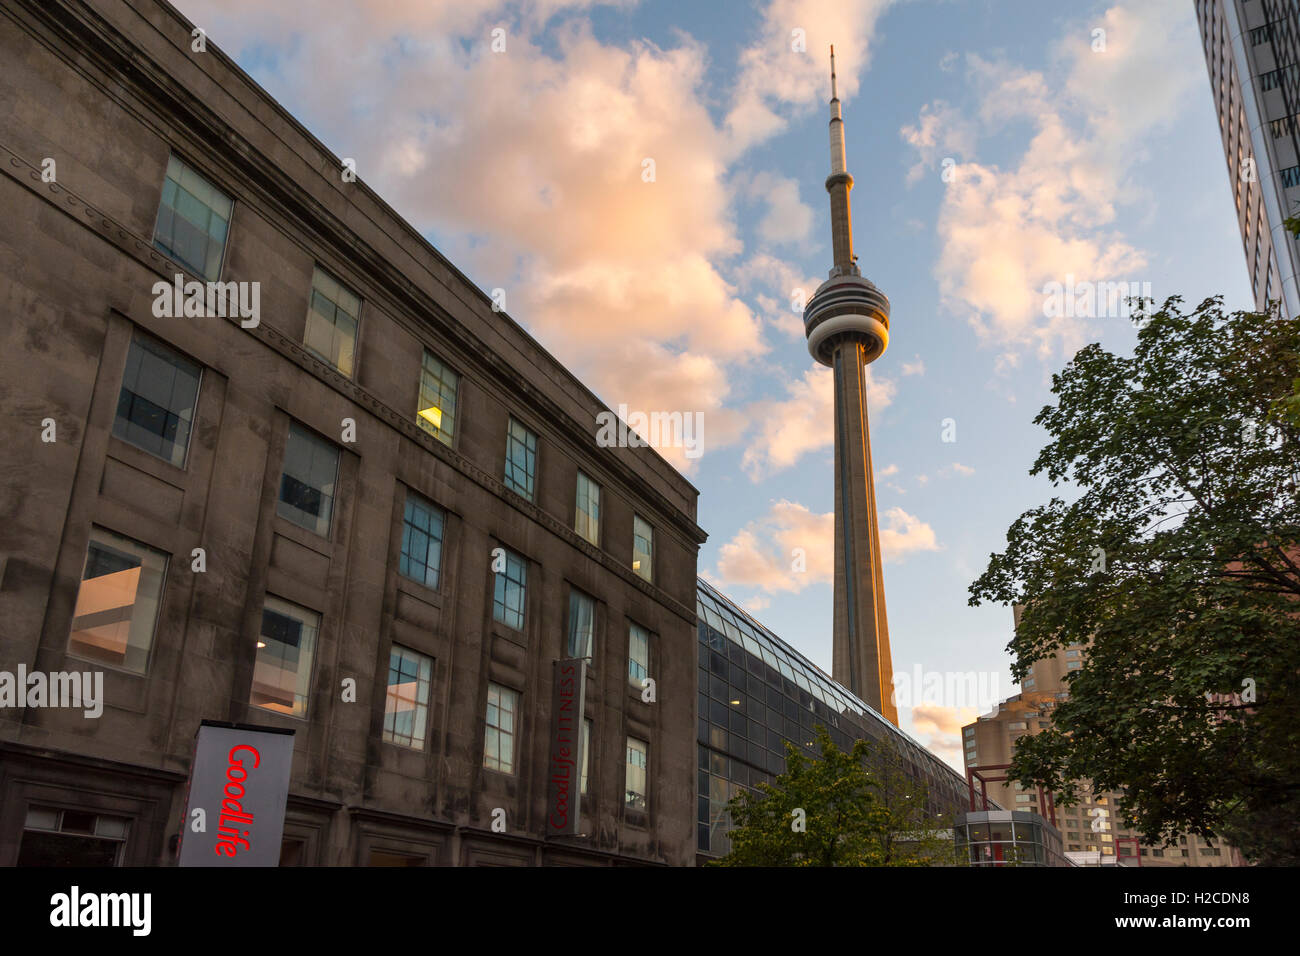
{"x":1092,"y":829}
{"x":336,"y":493}
{"x":756,"y":694}
{"x":1252,"y":52}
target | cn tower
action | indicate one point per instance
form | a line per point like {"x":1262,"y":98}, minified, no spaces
{"x":847,"y":324}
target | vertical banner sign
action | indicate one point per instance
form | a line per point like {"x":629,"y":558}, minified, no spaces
{"x":564,"y":797}
{"x":240,"y":782}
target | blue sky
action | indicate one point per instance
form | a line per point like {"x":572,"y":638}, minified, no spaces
{"x":1073,"y":153}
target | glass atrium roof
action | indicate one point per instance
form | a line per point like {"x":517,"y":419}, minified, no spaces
{"x":724,"y":616}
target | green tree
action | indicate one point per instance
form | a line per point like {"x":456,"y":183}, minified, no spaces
{"x":1178,"y":563}
{"x":846,"y":809}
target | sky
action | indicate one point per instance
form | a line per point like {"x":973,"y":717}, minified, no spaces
{"x":643,"y":181}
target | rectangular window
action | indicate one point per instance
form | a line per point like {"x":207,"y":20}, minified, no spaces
{"x":332,"y":322}
{"x":510,"y":589}
{"x":587,"y":519}
{"x":638,"y":654}
{"x":436,"y":413}
{"x":311,"y":467}
{"x":637,"y":761}
{"x":117,"y":604}
{"x":582,"y":625}
{"x":406,"y":709}
{"x":499,"y":737}
{"x":285,"y":651}
{"x":155,"y":408}
{"x":54,"y":837}
{"x":521,"y":459}
{"x":586,"y":754}
{"x":421,"y":541}
{"x":193,"y":219}
{"x":643,"y":546}
{"x":1290,"y":179}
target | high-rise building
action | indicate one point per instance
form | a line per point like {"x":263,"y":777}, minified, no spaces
{"x":1092,"y":829}
{"x":847,"y":324}
{"x":1252,"y":51}
{"x":364,"y":505}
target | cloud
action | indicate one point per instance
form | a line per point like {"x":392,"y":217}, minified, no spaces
{"x":802,"y":422}
{"x":902,"y":534}
{"x":941,"y":132}
{"x":777,"y":81}
{"x":1005,"y":232}
{"x":528,"y":165}
{"x":887,"y":471}
{"x":940,"y":727}
{"x":765,"y":554}
{"x":788,"y":218}
{"x":790,"y":547}
{"x":914,"y":368}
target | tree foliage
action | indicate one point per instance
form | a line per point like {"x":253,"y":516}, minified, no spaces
{"x":860,"y":808}
{"x":1178,"y":562}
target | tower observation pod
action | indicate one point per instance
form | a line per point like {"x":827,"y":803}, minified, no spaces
{"x":847,"y":324}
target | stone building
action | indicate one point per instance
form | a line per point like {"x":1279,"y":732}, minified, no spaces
{"x":362,"y":504}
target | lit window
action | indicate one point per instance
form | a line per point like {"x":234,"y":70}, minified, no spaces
{"x":508,"y":595}
{"x":155,"y":408}
{"x":193,"y":219}
{"x":332,"y":322}
{"x":421,"y":541}
{"x":117,"y":603}
{"x":499,"y":737}
{"x":637,"y":761}
{"x":285,"y":651}
{"x":406,"y":709}
{"x":311,"y":467}
{"x":587,"y":519}
{"x":586,"y":755}
{"x":521,"y":459}
{"x":437,"y":406}
{"x":582,"y":625}
{"x":643,"y":538}
{"x":638,"y":654}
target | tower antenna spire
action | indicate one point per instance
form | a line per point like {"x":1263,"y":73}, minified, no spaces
{"x":834,"y":95}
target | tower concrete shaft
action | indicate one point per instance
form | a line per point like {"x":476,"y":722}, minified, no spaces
{"x":847,"y":324}
{"x":861,"y":659}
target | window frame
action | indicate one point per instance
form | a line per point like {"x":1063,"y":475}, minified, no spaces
{"x":225,"y":242}
{"x":159,"y":599}
{"x":507,"y":472}
{"x":427,"y":426}
{"x":421,"y":659}
{"x":268,"y":599}
{"x":648,"y":576}
{"x":513,"y":733}
{"x":523,"y":587}
{"x":320,"y":270}
{"x":414,"y":498}
{"x":315,"y":438}
{"x":147,"y":342}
